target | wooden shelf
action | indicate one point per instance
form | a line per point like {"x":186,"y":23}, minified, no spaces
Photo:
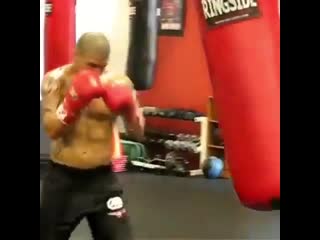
{"x":213,"y":121}
{"x":226,"y":174}
{"x":213,"y":149}
{"x":215,"y":146}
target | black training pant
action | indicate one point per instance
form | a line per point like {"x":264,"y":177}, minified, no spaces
{"x":69,"y":195}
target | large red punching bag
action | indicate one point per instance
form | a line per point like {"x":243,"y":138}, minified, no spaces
{"x":242,"y":44}
{"x":59,"y":32}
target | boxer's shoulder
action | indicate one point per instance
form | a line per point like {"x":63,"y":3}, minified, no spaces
{"x":109,"y":77}
{"x":57,"y":73}
{"x":53,"y":79}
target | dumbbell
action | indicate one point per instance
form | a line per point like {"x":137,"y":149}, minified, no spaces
{"x":161,"y":141}
{"x":165,"y":113}
{"x":189,"y":115}
{"x":194,"y":138}
{"x":183,"y":146}
{"x":191,"y":138}
{"x":176,"y":164}
{"x":171,"y":113}
{"x":180,"y":113}
{"x":181,"y":166}
{"x":186,"y":137}
{"x":189,"y":146}
{"x":180,"y":136}
{"x":161,"y":113}
{"x":168,"y":144}
{"x":171,"y":136}
{"x":193,"y":147}
{"x":149,"y":111}
{"x":176,"y":145}
{"x":170,"y":160}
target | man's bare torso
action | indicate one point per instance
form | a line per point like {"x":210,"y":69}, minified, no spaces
{"x":88,"y":142}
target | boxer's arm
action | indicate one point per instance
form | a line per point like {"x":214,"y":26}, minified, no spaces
{"x":133,"y":117}
{"x":51,"y":98}
{"x":136,"y":126}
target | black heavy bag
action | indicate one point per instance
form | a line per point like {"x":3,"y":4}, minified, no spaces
{"x":143,"y":43}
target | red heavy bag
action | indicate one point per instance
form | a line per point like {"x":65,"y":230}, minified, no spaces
{"x":59,"y":32}
{"x":242,"y":45}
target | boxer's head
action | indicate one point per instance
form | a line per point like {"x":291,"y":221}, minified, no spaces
{"x":92,"y":51}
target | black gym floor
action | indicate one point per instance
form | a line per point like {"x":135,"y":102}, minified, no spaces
{"x":164,"y":208}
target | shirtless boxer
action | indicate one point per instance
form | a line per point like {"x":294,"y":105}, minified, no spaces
{"x":80,"y":102}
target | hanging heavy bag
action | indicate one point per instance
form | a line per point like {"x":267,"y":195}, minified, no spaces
{"x":244,"y":64}
{"x":60,"y":33}
{"x":142,"y":51}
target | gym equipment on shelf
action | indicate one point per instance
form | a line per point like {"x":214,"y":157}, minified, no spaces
{"x":134,"y":150}
{"x":217,"y":137}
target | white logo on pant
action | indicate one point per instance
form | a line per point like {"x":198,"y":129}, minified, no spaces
{"x":114,"y":203}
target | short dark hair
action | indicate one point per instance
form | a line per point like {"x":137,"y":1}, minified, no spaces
{"x":94,"y":42}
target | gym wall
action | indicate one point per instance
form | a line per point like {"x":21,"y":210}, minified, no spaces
{"x":108,"y":17}
{"x":182,"y":78}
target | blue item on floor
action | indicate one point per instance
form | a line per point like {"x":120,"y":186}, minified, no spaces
{"x":213,"y":167}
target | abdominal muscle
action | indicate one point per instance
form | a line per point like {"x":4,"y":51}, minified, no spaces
{"x":87,"y":144}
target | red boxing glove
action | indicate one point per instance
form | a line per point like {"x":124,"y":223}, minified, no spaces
{"x":119,"y":97}
{"x":85,"y":86}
